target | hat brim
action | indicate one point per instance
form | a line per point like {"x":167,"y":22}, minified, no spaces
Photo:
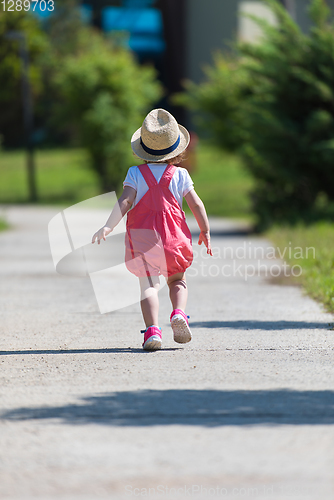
{"x":141,"y":153}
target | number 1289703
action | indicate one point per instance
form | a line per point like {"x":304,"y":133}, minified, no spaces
{"x":17,"y":5}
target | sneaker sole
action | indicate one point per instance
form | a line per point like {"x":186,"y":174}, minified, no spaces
{"x":181,"y":330}
{"x":152,"y":344}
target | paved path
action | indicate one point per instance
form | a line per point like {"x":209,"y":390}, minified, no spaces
{"x":246,"y":410}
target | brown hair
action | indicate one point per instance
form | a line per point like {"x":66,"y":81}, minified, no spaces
{"x":172,"y":161}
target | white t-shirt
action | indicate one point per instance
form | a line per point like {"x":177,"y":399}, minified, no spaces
{"x":179,"y":186}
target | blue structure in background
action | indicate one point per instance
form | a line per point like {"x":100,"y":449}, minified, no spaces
{"x":143,"y":24}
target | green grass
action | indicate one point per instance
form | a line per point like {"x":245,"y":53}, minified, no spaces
{"x":64,"y":177}
{"x":317,"y":267}
{"x":3,"y":225}
{"x":222,"y":182}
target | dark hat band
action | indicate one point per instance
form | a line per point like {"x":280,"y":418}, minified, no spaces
{"x":160,"y":152}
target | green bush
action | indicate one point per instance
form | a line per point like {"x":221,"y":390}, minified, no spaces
{"x":217,"y":102}
{"x":106,"y":95}
{"x":290,"y":117}
{"x":278,"y":95}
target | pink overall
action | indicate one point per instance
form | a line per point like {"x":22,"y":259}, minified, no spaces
{"x":158,"y":240}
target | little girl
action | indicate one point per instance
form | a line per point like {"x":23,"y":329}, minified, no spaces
{"x":158,"y":240}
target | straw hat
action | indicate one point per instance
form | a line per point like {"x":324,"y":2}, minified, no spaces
{"x":160,"y":137}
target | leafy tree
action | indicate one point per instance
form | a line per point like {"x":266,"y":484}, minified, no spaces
{"x":216,"y":103}
{"x":274,"y":104}
{"x":68,"y":36}
{"x":106,"y":93}
{"x":65,"y":28}
{"x":85,"y":87}
{"x":290,"y":116}
{"x":11,"y":69}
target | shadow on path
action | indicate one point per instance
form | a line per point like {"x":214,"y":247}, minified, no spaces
{"x":262,"y":325}
{"x":86,"y":351}
{"x":208,"y":408}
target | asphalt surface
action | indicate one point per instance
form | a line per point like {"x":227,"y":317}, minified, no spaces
{"x":246,"y":410}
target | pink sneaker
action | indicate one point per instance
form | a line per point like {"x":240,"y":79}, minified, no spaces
{"x":180,"y":326}
{"x":152,"y":338}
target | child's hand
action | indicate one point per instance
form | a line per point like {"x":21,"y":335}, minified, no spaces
{"x":101,"y":234}
{"x":205,"y":237}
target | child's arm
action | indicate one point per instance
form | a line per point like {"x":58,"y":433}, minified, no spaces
{"x":124,"y":204}
{"x":197,"y":207}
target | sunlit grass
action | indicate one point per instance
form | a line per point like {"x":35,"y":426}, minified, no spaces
{"x":223,"y":183}
{"x":62,"y":176}
{"x":318,"y":266}
{"x":3,"y":225}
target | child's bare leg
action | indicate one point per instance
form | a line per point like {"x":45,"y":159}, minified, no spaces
{"x":149,"y":300}
{"x":178,"y":291}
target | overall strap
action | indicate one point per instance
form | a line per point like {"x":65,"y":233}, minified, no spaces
{"x":167,"y":176}
{"x":147,"y":174}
